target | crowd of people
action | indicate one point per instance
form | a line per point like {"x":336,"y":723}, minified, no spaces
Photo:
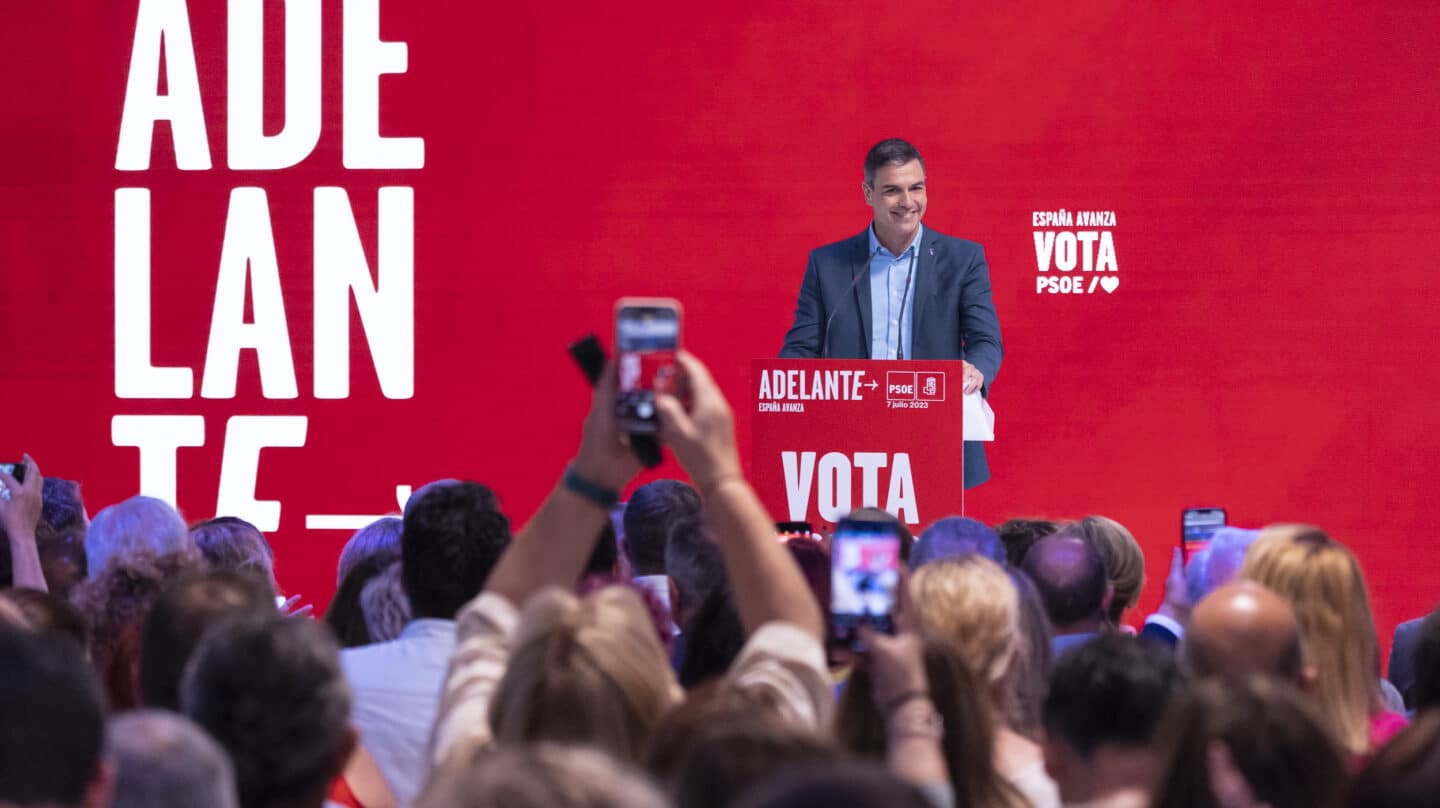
{"x":671,"y":651}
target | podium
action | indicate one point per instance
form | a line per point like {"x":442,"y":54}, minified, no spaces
{"x":829,"y":436}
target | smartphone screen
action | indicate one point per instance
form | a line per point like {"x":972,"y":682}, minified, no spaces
{"x":864,"y":578}
{"x":647,"y":336}
{"x":1197,"y":525}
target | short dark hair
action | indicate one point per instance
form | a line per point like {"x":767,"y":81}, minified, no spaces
{"x":52,"y":720}
{"x":270,"y":689}
{"x":957,"y":535}
{"x":180,"y":618}
{"x":1426,"y":690}
{"x":652,"y":511}
{"x":1072,"y":588}
{"x":851,"y":783}
{"x":1111,"y":690}
{"x":1019,"y":534}
{"x":693,"y":562}
{"x":890,"y":152}
{"x":452,"y":538}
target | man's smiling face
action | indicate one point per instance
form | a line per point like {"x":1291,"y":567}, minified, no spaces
{"x":898,"y":197}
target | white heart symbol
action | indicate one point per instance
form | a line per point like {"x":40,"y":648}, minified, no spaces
{"x":1109,"y":283}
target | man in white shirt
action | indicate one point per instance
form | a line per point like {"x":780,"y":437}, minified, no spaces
{"x":453,"y":534}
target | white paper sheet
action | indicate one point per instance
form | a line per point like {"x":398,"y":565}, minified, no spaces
{"x":979,"y":418}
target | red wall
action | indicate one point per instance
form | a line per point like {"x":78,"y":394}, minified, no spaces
{"x":1273,"y":174}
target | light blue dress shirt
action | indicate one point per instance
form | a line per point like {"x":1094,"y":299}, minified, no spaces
{"x":889,"y":297}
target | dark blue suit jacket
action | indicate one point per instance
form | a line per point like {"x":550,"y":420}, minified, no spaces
{"x":954,"y":315}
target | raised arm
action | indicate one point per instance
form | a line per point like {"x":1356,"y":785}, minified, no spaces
{"x":553,"y":547}
{"x":767,"y":583}
{"x":20,"y":515}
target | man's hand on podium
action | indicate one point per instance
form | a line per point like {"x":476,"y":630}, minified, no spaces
{"x":974,"y":379}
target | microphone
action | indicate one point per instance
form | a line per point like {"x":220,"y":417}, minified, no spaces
{"x":854,"y":281}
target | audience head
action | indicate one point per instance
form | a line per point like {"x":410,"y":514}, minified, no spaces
{"x":694,"y":566}
{"x":588,"y":670}
{"x":869,"y":514}
{"x":60,"y":536}
{"x":180,"y":617}
{"x":1029,"y":675}
{"x":271,"y":691}
{"x":1106,"y":701}
{"x":379,"y":539}
{"x":1018,"y":535}
{"x":850,"y":784}
{"x":1325,"y":587}
{"x":1242,"y":628}
{"x":52,"y":724}
{"x":954,"y":536}
{"x":383,"y":603}
{"x":1259,"y":730}
{"x":1123,"y":558}
{"x":541,"y":775}
{"x":162,"y":760}
{"x":137,"y":524}
{"x":115,"y":605}
{"x":231,"y":543}
{"x":346,"y":615}
{"x":1426,"y":690}
{"x":1223,"y":558}
{"x":47,"y":614}
{"x":1406,"y":772}
{"x":651,"y":513}
{"x":814,"y":561}
{"x":968,"y":603}
{"x":1070,"y":575}
{"x":453,"y":535}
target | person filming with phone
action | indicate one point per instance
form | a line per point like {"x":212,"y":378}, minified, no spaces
{"x":900,"y":290}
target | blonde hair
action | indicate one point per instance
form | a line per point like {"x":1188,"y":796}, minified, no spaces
{"x":1124,"y":560}
{"x":588,"y":671}
{"x":1323,"y":582}
{"x":968,"y":603}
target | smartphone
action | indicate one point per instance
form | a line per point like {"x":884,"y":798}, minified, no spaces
{"x":864,"y":578}
{"x":647,"y":338}
{"x":1197,"y":525}
{"x":16,"y":470}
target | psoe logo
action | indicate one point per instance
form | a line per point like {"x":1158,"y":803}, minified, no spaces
{"x":1069,"y":240}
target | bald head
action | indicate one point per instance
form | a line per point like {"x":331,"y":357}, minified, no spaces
{"x":1241,"y":629}
{"x":1070,"y":576}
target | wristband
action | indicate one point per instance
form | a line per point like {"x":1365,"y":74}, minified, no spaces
{"x":594,"y":492}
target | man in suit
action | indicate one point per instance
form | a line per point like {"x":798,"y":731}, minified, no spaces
{"x":900,"y":290}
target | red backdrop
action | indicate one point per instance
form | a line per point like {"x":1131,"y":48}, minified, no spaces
{"x":1272,"y":172}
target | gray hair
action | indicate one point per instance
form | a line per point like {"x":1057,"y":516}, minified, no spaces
{"x":379,"y":538}
{"x":138,"y":523}
{"x":384,"y":605}
{"x":1221,"y":561}
{"x":231,"y":543}
{"x":163,"y":760}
